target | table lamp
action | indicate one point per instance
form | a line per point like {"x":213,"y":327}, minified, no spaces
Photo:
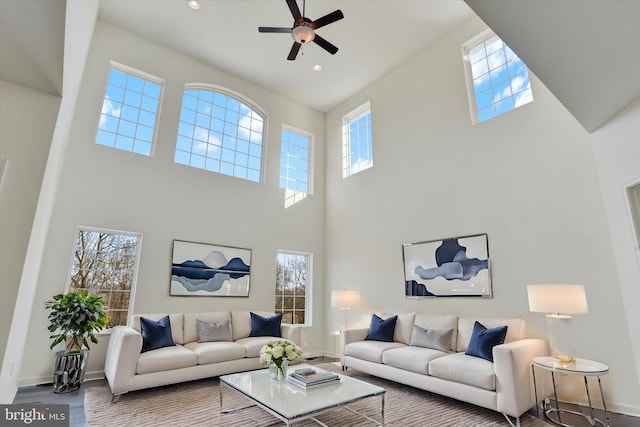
{"x":345,"y":300}
{"x":559,"y":302}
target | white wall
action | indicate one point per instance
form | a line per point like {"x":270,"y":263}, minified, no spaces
{"x":26,"y":126}
{"x":103,"y":187}
{"x":528,"y":179}
{"x":616,"y":147}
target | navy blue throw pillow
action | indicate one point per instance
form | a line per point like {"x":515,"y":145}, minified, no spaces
{"x":483,"y":340}
{"x":265,"y":326}
{"x":382,"y":329}
{"x":156,"y":334}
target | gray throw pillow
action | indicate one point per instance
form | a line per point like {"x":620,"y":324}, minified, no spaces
{"x":211,"y":331}
{"x":431,"y":338}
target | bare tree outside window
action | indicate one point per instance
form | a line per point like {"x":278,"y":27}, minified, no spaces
{"x":105,"y":263}
{"x":292,"y":272}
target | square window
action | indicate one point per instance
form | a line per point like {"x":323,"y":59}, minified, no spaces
{"x":497,"y":80}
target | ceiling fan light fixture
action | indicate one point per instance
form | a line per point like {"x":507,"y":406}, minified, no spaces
{"x":303,"y":34}
{"x":194,"y":4}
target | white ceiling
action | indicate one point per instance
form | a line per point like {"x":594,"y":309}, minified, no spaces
{"x":586,"y":51}
{"x":373,"y":38}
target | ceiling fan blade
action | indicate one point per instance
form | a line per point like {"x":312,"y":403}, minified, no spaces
{"x":325,"y":45}
{"x":327,"y":19}
{"x":294,"y":51}
{"x":295,"y":11}
{"x":274,"y":30}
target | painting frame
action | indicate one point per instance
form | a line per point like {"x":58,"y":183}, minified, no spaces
{"x":209,"y":270}
{"x":449,"y":267}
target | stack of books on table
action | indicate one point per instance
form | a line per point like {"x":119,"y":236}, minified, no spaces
{"x":309,"y":378}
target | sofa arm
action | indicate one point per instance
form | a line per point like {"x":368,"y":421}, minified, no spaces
{"x":291,"y":333}
{"x":514,"y":384}
{"x":348,"y":336}
{"x":121,"y":361}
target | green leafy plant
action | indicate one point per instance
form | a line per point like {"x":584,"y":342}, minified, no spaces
{"x":74,"y":317}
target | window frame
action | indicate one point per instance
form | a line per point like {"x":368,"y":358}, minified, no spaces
{"x":134,"y":273}
{"x":239,"y":98}
{"x":113,"y":65}
{"x":308,"y":285}
{"x":471,"y":93}
{"x":347,"y":119}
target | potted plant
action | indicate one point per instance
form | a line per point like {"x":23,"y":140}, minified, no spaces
{"x":74,"y":317}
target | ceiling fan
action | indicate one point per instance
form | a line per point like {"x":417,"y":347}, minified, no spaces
{"x":303,"y":30}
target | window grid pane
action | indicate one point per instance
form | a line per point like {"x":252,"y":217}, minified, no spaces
{"x":222,"y":131}
{"x":499,"y":78}
{"x":294,"y":161}
{"x":292,"y":286}
{"x":104,"y":264}
{"x":357,"y":146}
{"x":129,"y":111}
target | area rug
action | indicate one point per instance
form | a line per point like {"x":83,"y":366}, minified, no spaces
{"x":197,"y":403}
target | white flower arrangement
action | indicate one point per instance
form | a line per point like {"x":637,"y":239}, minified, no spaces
{"x":274,"y":351}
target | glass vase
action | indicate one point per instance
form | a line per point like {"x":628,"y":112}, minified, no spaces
{"x":278,"y":369}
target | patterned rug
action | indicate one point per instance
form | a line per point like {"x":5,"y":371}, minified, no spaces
{"x":197,"y":403}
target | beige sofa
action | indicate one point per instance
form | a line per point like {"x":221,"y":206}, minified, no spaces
{"x":128,"y":369}
{"x":504,"y":385}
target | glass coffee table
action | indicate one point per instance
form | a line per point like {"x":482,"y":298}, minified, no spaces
{"x":291,"y":403}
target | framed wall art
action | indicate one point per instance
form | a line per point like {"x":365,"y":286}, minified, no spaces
{"x":454,"y":267}
{"x":201,"y":269}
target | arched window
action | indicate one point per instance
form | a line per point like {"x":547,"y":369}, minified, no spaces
{"x":221,"y":132}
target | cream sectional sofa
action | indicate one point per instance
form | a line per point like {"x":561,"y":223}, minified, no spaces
{"x":504,"y":385}
{"x":128,"y":369}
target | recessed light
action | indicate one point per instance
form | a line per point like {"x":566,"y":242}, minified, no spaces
{"x":194,"y":4}
{"x":317,"y":68}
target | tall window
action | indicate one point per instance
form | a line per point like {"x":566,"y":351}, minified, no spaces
{"x":220,"y":133}
{"x":357,"y":150}
{"x":106,"y":263}
{"x":294,"y":165}
{"x":293,"y":285}
{"x":129,"y":110}
{"x":497,"y":79}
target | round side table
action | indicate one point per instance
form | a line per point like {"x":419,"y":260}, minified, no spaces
{"x":584,"y":367}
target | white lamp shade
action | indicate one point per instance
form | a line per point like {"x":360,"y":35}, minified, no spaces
{"x":345,"y":299}
{"x":557,"y":300}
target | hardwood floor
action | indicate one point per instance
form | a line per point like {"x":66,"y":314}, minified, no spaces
{"x":44,"y":394}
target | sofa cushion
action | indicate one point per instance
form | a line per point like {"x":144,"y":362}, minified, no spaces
{"x":155,"y":334}
{"x":483,"y":340}
{"x":265,"y":326}
{"x":414,"y":359}
{"x":177,"y":319}
{"x":516,"y":329}
{"x":382,"y":329}
{"x":370,"y":350}
{"x":404,"y":324}
{"x":252,"y":345}
{"x":464,"y":369}
{"x":440,"y":322}
{"x":190,"y":328}
{"x":431,"y":338}
{"x":212,"y":331}
{"x":241,"y":322}
{"x":218,"y":351}
{"x":165,"y":359}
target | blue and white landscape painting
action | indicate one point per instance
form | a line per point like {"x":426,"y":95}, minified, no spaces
{"x":448,"y":267}
{"x":207,"y":270}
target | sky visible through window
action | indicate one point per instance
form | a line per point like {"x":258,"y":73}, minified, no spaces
{"x":357,"y":152}
{"x":500,"y":78}
{"x":294,"y":161}
{"x":129,"y":110}
{"x":220,"y":134}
